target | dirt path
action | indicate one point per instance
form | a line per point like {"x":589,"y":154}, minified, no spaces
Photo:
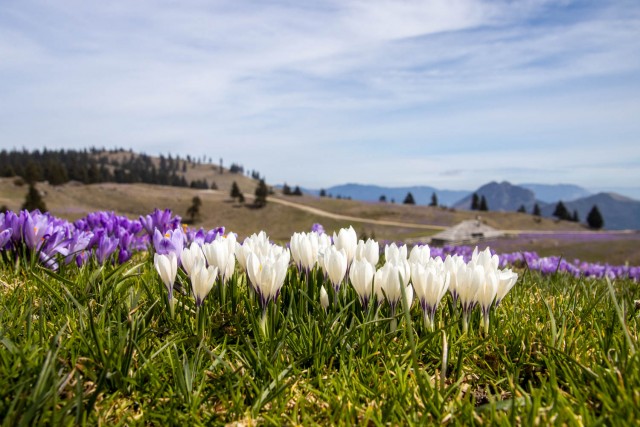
{"x":331,"y":215}
{"x":341,"y":217}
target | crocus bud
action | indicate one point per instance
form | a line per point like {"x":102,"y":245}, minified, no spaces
{"x":324,"y":298}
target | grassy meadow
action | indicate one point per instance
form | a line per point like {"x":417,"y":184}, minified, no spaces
{"x":280,"y":221}
{"x":97,"y":345}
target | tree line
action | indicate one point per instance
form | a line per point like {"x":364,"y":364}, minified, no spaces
{"x":92,"y":166}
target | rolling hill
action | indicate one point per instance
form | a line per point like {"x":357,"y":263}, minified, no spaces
{"x":619,"y":212}
{"x":372,"y":193}
{"x":73,"y":199}
{"x":501,"y":196}
{"x":551,"y":193}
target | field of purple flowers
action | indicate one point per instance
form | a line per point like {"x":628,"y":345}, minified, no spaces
{"x":104,"y":236}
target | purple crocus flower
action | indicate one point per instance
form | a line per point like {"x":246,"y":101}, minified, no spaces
{"x":125,"y":253}
{"x":106,"y":246}
{"x":161,"y":220}
{"x":318,"y":228}
{"x":76,"y":247}
{"x":35,"y":227}
{"x":172,"y":242}
{"x":5,"y":236}
{"x":14,"y":223}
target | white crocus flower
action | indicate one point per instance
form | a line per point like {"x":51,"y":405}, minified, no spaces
{"x":369,"y":250}
{"x":241,"y":252}
{"x":190,"y":256}
{"x":506,"y":280}
{"x":485,"y":259}
{"x":361,"y":275}
{"x":257,"y":243}
{"x":202,"y":279}
{"x":304,"y":249}
{"x":267,"y":274}
{"x":392,"y":279}
{"x":395,"y":254}
{"x":430,"y":283}
{"x":294,"y":247}
{"x":487,"y":294}
{"x":347,"y":240}
{"x":324,"y":241}
{"x":324,"y":298}
{"x":378,"y":280}
{"x":388,"y":281}
{"x":254,"y":268}
{"x":469,"y":280}
{"x":167,"y":267}
{"x":335,"y":264}
{"x":453,"y":265}
{"x":408,"y":291}
{"x":221,"y":254}
{"x":420,"y":254}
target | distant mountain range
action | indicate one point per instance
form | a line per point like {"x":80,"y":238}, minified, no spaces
{"x":552,"y":193}
{"x":619,"y":212}
{"x":372,"y":193}
{"x":501,"y":196}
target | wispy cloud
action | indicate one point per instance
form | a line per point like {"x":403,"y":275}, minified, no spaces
{"x":324,"y":92}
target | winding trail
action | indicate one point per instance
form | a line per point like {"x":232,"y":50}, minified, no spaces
{"x":332,"y":215}
{"x":512,"y":232}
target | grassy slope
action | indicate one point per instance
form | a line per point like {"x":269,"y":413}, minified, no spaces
{"x":98,"y":346}
{"x":435,"y":216}
{"x":73,"y":201}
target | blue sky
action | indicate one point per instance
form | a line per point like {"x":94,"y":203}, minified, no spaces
{"x":448,"y":93}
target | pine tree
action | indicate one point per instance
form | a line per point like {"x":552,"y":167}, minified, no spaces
{"x":55,"y":173}
{"x":522,"y":209}
{"x":193,"y":212}
{"x":536,"y":210}
{"x":297,"y":191}
{"x":594,"y":218}
{"x":483,"y":204}
{"x":235,"y":190}
{"x":32,"y":172}
{"x":409,"y":200}
{"x":323,"y":192}
{"x":383,"y":198}
{"x":561,"y":212}
{"x":261,"y":194}
{"x":575,"y":217}
{"x":33,"y":200}
{"x":7,"y":171}
{"x":475,"y":202}
{"x":434,"y":200}
{"x":286,"y":190}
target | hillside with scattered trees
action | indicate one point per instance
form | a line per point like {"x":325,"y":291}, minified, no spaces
{"x":92,"y":166}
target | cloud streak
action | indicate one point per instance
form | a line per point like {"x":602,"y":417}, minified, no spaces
{"x":321,"y":93}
